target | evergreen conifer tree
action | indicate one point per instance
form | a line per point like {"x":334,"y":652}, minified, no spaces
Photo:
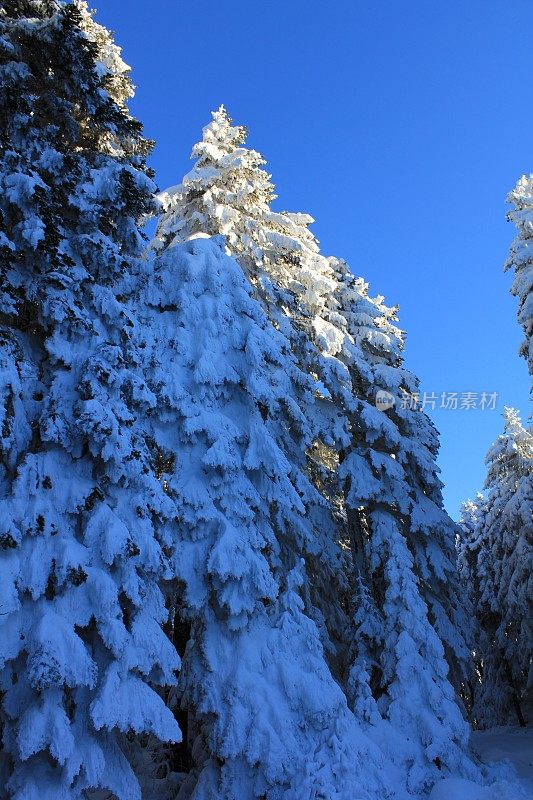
{"x":227,"y":192}
{"x":501,"y":549}
{"x":265,"y":716}
{"x":520,"y":260}
{"x":387,"y":475}
{"x":84,"y":546}
{"x":391,"y":483}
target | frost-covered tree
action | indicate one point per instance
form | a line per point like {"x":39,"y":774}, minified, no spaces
{"x":387,"y":457}
{"x":521,"y":260}
{"x":228,"y":192}
{"x":467,"y":543}
{"x":497,"y":559}
{"x":391,"y":461}
{"x":265,"y":718}
{"x":390,"y":464}
{"x":84,"y":544}
{"x":417,"y":698}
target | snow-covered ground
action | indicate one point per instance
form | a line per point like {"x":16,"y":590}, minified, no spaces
{"x":503,"y":745}
{"x":514,"y":744}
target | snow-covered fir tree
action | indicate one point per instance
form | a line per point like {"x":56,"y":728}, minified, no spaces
{"x":467,"y":546}
{"x":496,"y":559}
{"x":212,"y":463}
{"x":84,"y":546}
{"x":403,"y":539}
{"x":467,"y":543}
{"x":265,"y":717}
{"x":227,"y":192}
{"x":495,"y":550}
{"x":387,"y":479}
{"x":521,"y":260}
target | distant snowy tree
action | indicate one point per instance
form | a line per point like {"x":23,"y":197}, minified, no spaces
{"x":521,"y":260}
{"x":467,"y":543}
{"x":500,"y":554}
{"x":266,"y":719}
{"x":84,"y":545}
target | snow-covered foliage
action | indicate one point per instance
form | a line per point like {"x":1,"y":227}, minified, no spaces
{"x":265,"y":716}
{"x":390,"y":467}
{"x":417,"y":696}
{"x":225,"y":568}
{"x":495,"y":558}
{"x":521,"y":260}
{"x":376,"y":467}
{"x":495,"y":548}
{"x":227,"y":192}
{"x":83,"y":543}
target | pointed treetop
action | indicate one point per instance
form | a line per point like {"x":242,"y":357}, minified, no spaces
{"x":221,"y":115}
{"x":511,"y":455}
{"x":469,"y":508}
{"x":514,"y":429}
{"x":221,"y":134}
{"x":512,"y":422}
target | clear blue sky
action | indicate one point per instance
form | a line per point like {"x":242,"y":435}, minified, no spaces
{"x":400,"y":127}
